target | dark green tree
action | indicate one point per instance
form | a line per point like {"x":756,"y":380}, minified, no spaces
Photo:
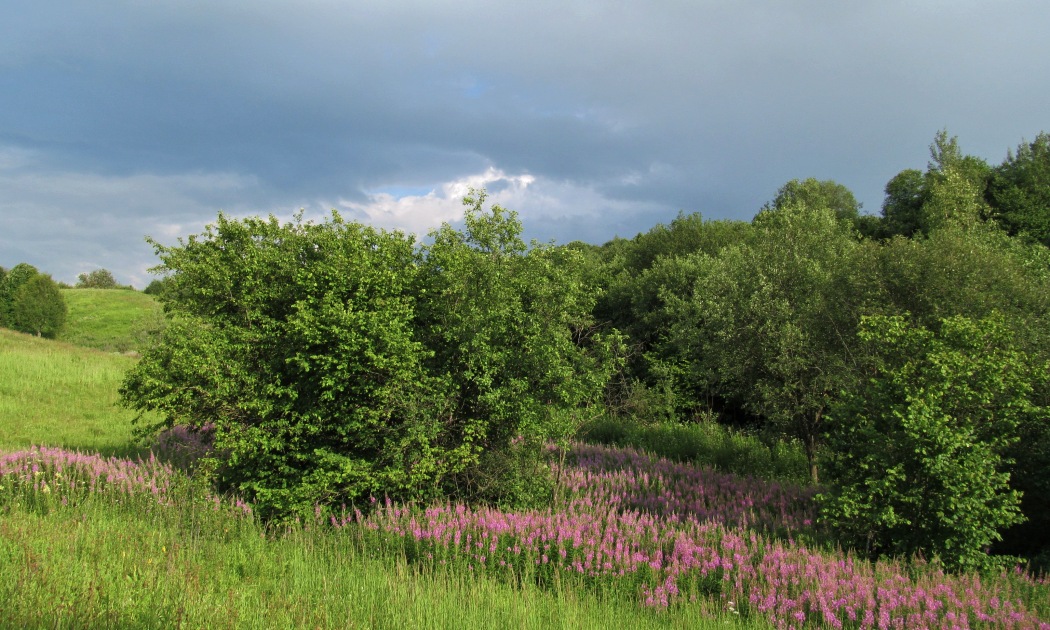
{"x":916,"y":202}
{"x":638,"y":275}
{"x":37,"y":307}
{"x":14,"y":279}
{"x":771,"y":323}
{"x":902,"y":207}
{"x":97,"y":279}
{"x":512,"y":342}
{"x":916,"y":453}
{"x":156,"y":287}
{"x":1019,"y":190}
{"x":5,"y":298}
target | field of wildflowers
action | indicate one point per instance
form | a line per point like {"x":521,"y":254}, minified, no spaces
{"x":667,"y":536}
{"x":673,"y":535}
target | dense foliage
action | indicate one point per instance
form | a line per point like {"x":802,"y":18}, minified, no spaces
{"x":758,"y":324}
{"x":335,"y":362}
{"x":97,"y":279}
{"x":918,"y":451}
{"x":31,"y":302}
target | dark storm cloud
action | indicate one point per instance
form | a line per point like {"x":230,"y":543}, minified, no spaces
{"x":124,"y":118}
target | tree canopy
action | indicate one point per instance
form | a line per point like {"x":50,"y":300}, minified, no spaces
{"x":334,"y":361}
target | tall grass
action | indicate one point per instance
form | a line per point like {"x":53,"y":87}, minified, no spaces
{"x":121,"y":556}
{"x":706,"y":444}
{"x":57,"y":394}
{"x":112,"y":320}
{"x":119,"y":543}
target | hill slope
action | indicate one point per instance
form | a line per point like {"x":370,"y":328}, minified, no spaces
{"x":113,"y":320}
{"x":59,"y":394}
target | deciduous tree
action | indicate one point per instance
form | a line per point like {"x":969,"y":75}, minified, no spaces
{"x":1019,"y":190}
{"x":97,"y":279}
{"x":916,"y":453}
{"x":37,"y":307}
{"x":335,"y":361}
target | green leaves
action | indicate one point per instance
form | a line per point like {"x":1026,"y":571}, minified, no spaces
{"x":917,"y":454}
{"x":31,"y":302}
{"x":335,"y":361}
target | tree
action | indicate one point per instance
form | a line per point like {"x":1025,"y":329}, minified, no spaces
{"x":513,"y":343}
{"x":38,"y":308}
{"x":916,"y":453}
{"x":337,"y":362}
{"x":13,"y":280}
{"x":156,"y":286}
{"x":902,"y":207}
{"x":953,"y":182}
{"x":1019,"y":190}
{"x":815,"y":193}
{"x":637,"y":275}
{"x":97,"y":279}
{"x":295,"y":343}
{"x":770,"y":323}
{"x":5,"y":298}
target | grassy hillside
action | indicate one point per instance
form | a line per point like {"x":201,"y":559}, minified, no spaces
{"x":113,"y":320}
{"x":60,"y":394}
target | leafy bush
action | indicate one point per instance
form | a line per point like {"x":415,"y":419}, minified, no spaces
{"x":338,"y":362}
{"x":916,"y":460}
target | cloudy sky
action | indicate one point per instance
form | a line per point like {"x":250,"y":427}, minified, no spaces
{"x":120,"y":119}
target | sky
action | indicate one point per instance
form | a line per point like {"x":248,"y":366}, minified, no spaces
{"x":591,"y":120}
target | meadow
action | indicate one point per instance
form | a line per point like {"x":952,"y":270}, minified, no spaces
{"x":58,"y":394}
{"x":98,"y":531}
{"x":111,"y":320}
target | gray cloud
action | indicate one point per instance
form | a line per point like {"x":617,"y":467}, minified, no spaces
{"x":135,"y":118}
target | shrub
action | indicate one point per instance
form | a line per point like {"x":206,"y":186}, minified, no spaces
{"x":916,"y":460}
{"x":337,"y":362}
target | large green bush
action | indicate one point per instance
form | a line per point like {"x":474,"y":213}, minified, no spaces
{"x":338,"y":362}
{"x":916,"y":459}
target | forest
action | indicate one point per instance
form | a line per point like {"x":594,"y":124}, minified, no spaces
{"x":905,"y":353}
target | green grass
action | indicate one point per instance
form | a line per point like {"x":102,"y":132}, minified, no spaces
{"x":127,"y":562}
{"x":61,"y":395}
{"x":114,"y":562}
{"x":113,"y":320}
{"x":704,"y":444}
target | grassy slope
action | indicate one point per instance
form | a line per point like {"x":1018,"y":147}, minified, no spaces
{"x":114,"y":320}
{"x":61,"y":395}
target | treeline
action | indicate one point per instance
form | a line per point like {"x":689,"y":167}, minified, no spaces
{"x":908,"y":352}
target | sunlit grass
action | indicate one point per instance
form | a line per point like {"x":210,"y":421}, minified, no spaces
{"x":113,"y":320}
{"x":124,"y":560}
{"x":58,"y":394}
{"x":706,"y":444}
